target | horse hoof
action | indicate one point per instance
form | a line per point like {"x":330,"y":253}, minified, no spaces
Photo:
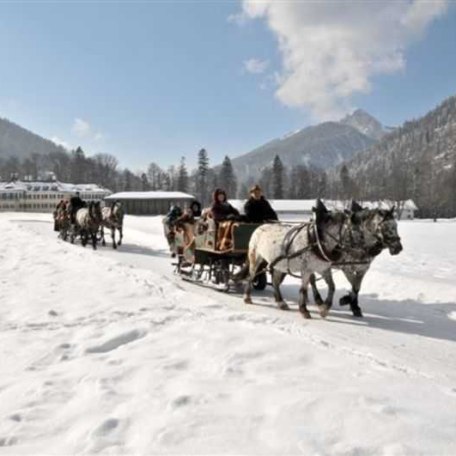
{"x":283,"y":305}
{"x":324,"y":310}
{"x":345,"y":300}
{"x":357,"y":313}
{"x":306,"y":314}
{"x":247,"y":300}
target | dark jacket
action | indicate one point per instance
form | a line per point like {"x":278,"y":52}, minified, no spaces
{"x":222,"y":211}
{"x":196,"y":208}
{"x":76,"y":203}
{"x":173,"y":214}
{"x":259,"y":211}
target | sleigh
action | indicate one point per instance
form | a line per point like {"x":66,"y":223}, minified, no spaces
{"x":204,"y":257}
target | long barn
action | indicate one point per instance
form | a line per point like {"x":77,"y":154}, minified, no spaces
{"x":150,"y":203}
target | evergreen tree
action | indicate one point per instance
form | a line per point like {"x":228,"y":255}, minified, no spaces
{"x":182,"y":177}
{"x":277,"y":178}
{"x":346,"y":185}
{"x":78,"y":168}
{"x":202,"y":173}
{"x":227,"y":178}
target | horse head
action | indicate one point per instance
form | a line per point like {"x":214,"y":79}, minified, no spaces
{"x":381,"y":231}
{"x":341,"y":228}
{"x":95,"y":212}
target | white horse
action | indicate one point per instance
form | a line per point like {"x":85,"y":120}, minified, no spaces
{"x":113,"y":220}
{"x":305,"y":249}
{"x":379,"y":229}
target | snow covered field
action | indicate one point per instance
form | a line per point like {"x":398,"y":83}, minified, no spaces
{"x":109,"y":352}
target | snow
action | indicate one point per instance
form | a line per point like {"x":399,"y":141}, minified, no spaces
{"x":54,"y":186}
{"x":305,"y":206}
{"x":108,"y":352}
{"x":150,"y":195}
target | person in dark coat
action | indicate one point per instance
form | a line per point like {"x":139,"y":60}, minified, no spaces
{"x":257,"y":208}
{"x":173,"y":214}
{"x":196,"y":208}
{"x":221,"y":209}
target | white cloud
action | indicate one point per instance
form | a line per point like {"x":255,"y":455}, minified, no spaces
{"x":332,"y":49}
{"x":256,"y":66}
{"x":83,"y":129}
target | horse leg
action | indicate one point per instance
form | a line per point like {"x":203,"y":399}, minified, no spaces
{"x":120,"y":236}
{"x":255,"y":266}
{"x":355,"y":278}
{"x":328,"y":277}
{"x":316,"y":294}
{"x":103,"y":242}
{"x":303,"y":297}
{"x":277,"y":279}
{"x":113,"y":237}
{"x":84,"y":238}
{"x":93,"y":235}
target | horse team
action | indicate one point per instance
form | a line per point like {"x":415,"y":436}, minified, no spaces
{"x":345,"y":240}
{"x":89,"y":222}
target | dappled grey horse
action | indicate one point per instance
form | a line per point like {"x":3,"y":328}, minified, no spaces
{"x":88,"y":221}
{"x":379,"y":229}
{"x":113,"y":216}
{"x":304,"y":249}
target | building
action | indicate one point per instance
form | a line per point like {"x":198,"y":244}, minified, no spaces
{"x":302,"y":209}
{"x":150,"y":203}
{"x":22,"y":196}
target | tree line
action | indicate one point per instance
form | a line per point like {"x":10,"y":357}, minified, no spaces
{"x":396,"y":176}
{"x":103,"y":169}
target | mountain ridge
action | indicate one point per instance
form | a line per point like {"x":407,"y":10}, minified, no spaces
{"x":19,"y":142}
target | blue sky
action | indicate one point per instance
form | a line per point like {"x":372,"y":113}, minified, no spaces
{"x":152,"y":81}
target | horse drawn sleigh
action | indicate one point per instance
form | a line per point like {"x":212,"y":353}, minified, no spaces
{"x":213,"y":254}
{"x":344,"y":240}
{"x":87,"y":222}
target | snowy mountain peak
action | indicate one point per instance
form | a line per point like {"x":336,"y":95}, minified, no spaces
{"x":365,"y":123}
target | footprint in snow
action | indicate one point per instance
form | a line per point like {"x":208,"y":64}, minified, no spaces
{"x":107,"y":426}
{"x":116,"y":342}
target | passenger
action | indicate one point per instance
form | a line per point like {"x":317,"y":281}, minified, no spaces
{"x":221,"y":209}
{"x":196,"y":208}
{"x":173,"y":214}
{"x":257,"y":208}
{"x":57,"y":214}
{"x":224,"y":215}
{"x":76,"y":203}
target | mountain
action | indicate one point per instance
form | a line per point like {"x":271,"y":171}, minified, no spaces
{"x":365,"y":124}
{"x":325,"y":145}
{"x":16,"y":141}
{"x":417,"y":160}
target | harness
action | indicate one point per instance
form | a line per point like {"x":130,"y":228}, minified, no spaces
{"x":315,"y":245}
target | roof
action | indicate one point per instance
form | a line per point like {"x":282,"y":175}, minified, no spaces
{"x":54,"y":186}
{"x":150,"y":196}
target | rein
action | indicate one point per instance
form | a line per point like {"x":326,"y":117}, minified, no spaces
{"x":316,"y":245}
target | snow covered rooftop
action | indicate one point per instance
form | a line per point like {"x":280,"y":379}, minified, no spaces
{"x":150,"y":195}
{"x":55,"y":186}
